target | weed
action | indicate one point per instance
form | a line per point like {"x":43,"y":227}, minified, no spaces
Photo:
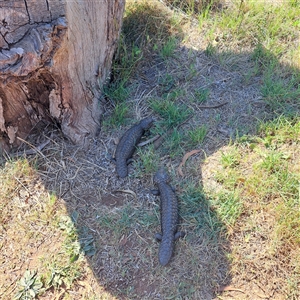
{"x":118,"y":116}
{"x":210,"y":50}
{"x":29,"y":286}
{"x":228,"y":206}
{"x":197,"y":135}
{"x":118,"y":223}
{"x":201,"y":95}
{"x":116,"y":91}
{"x":57,"y":277}
{"x":231,"y":159}
{"x":87,"y":242}
{"x":172,"y":113}
{"x":148,"y":160}
{"x":168,"y":48}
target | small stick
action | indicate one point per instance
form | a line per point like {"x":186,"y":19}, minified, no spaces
{"x":34,"y":149}
{"x":213,"y":106}
{"x":149,"y":141}
{"x":230,"y":288}
{"x":184,"y":159}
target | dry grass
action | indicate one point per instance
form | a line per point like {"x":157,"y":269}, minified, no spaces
{"x":106,"y":245}
{"x":32,"y":237}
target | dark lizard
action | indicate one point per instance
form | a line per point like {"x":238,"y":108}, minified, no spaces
{"x":127,"y":144}
{"x":168,"y":217}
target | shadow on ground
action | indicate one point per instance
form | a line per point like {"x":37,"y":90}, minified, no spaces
{"x":123,"y":216}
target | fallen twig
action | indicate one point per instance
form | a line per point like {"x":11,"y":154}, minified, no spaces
{"x":213,"y":106}
{"x":34,"y":150}
{"x":132,"y":193}
{"x":229,"y":288}
{"x":184,"y":159}
{"x":149,"y":141}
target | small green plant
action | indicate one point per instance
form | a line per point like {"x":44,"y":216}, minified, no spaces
{"x":210,"y":50}
{"x":201,"y":95}
{"x":71,"y":245}
{"x":57,"y":277}
{"x":172,"y":113}
{"x":174,"y":144}
{"x":169,"y":47}
{"x":228,"y":206}
{"x":87,"y":242}
{"x":148,"y":159}
{"x":116,"y":91}
{"x":197,"y":135}
{"x":67,"y":224}
{"x":29,"y":286}
{"x":118,"y":116}
{"x":61,"y":274}
{"x":231,"y":158}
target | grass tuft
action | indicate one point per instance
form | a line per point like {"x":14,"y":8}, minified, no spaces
{"x":172,"y":113}
{"x":197,"y":135}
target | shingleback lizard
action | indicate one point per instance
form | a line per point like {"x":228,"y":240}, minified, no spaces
{"x":127,"y":144}
{"x":168,"y":216}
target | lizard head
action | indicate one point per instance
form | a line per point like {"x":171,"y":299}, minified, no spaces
{"x":147,"y":123}
{"x":161,"y":176}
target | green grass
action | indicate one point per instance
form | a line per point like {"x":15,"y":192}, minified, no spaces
{"x":201,"y":95}
{"x":192,"y":7}
{"x":118,"y":116}
{"x":252,"y":21}
{"x":228,"y":206}
{"x":168,"y":48}
{"x":147,"y":160}
{"x":196,"y":211}
{"x":172,"y":113}
{"x":231,"y":159}
{"x":117,"y":92}
{"x":261,"y":171}
{"x":34,"y":219}
{"x":197,"y":135}
{"x":145,"y":26}
{"x":174,"y":144}
{"x":272,"y":32}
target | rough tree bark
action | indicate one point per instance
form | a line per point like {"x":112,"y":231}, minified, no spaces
{"x":55,"y":55}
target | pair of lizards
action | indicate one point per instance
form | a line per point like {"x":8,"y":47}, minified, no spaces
{"x":168,"y":203}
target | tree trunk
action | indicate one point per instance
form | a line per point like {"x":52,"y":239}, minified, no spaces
{"x":55,"y":56}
